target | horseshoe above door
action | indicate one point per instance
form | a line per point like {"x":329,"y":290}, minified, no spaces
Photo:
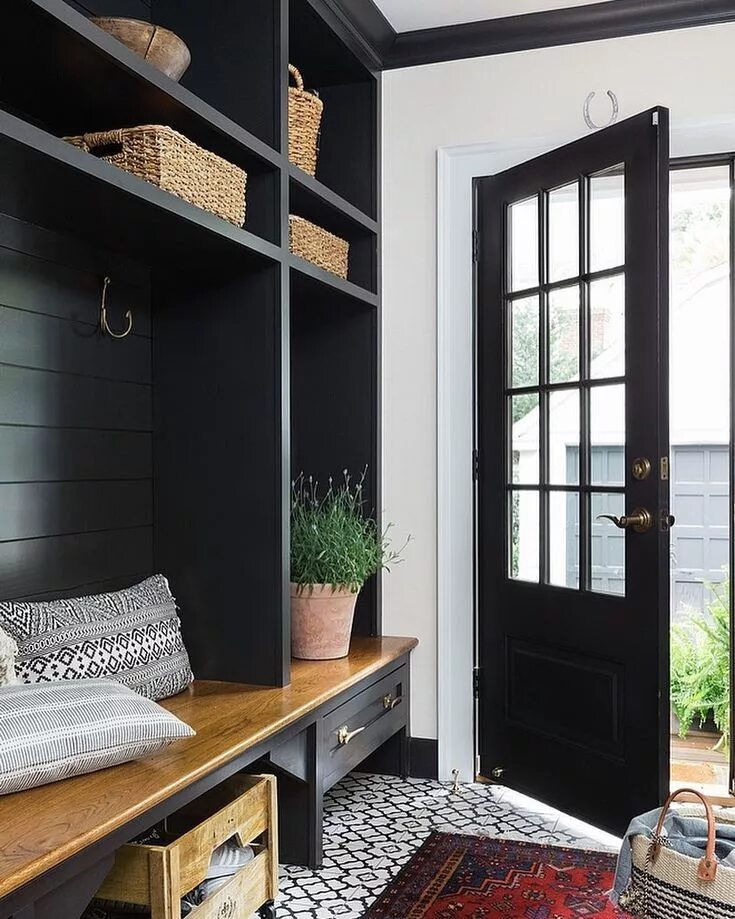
{"x":613,"y":118}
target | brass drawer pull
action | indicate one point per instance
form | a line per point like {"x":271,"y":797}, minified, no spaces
{"x":345,"y":735}
{"x":389,"y":703}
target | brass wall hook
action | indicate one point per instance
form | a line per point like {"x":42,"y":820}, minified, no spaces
{"x":104,"y":324}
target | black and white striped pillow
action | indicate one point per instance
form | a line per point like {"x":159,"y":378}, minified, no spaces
{"x":131,"y":635}
{"x":52,"y":731}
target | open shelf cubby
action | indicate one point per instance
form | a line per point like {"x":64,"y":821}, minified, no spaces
{"x":174,"y":449}
{"x":83,"y":80}
{"x":347,"y":161}
{"x":312,"y":200}
{"x":334,"y":384}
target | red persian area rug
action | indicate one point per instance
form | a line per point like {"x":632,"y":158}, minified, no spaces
{"x":476,"y":877}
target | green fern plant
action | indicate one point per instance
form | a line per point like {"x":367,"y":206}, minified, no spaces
{"x":700,"y":666}
{"x":333,"y":540}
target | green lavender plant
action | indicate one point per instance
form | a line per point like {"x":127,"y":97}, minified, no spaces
{"x":333,"y":540}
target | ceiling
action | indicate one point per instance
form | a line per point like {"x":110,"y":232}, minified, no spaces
{"x":408,"y":15}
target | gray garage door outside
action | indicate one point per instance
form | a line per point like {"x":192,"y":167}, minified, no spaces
{"x":700,"y":539}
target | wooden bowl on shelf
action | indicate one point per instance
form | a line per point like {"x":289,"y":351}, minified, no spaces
{"x":162,"y":48}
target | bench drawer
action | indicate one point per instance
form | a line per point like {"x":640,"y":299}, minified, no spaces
{"x":358,"y":727}
{"x":158,"y":876}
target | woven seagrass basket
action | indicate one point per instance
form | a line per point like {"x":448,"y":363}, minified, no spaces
{"x":304,"y":121}
{"x":317,"y":245}
{"x":165,"y":158}
{"x":666,"y":883}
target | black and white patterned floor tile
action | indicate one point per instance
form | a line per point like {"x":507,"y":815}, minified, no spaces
{"x":374,"y":824}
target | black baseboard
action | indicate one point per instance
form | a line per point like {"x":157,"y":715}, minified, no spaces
{"x":423,"y":758}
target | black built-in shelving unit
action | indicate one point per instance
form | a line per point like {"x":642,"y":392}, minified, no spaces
{"x":247,"y":366}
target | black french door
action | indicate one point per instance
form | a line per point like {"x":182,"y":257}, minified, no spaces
{"x":573,"y":491}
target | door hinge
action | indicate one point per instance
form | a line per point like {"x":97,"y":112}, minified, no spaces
{"x":475,"y":246}
{"x":476,"y":683}
{"x":478,"y":766}
{"x":664,"y":469}
{"x":655,"y":119}
{"x":475,"y":465}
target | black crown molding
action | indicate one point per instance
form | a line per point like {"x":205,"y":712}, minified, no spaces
{"x":610,"y":19}
{"x":360,"y":20}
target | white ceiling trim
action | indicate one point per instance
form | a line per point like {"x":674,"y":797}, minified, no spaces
{"x":409,"y":15}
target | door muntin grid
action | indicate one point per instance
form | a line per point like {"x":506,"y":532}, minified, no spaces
{"x":564,"y":309}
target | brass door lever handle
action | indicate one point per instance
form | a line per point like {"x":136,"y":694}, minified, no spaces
{"x":639,"y":520}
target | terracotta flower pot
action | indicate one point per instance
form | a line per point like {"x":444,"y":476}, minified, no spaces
{"x":321,"y":621}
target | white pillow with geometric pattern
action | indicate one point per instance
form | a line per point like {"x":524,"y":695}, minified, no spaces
{"x":131,"y":635}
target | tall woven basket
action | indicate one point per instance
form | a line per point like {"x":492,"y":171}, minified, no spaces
{"x":304,"y":121}
{"x":163,"y":157}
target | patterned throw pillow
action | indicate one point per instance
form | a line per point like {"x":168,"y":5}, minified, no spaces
{"x":56,"y":730}
{"x":132,"y":635}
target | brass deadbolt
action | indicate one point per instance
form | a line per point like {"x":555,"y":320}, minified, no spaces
{"x":641,"y":468}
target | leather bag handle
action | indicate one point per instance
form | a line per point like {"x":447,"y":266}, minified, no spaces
{"x":707,"y":869}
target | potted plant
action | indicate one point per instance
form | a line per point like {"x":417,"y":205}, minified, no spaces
{"x":700,"y":669}
{"x":335,"y":548}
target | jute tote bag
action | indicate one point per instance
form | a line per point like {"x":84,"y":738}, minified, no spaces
{"x":668,"y":885}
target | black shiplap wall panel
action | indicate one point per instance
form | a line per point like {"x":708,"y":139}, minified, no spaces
{"x":60,"y":564}
{"x":38,"y":397}
{"x":35,"y":509}
{"x":40,"y":286}
{"x":73,"y":454}
{"x":76,"y":500}
{"x":49,"y":343}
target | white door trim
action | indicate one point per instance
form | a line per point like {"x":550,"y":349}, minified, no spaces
{"x":456,"y":168}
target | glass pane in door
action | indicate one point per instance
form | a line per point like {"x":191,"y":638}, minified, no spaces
{"x":564,"y":539}
{"x":524,"y":545}
{"x":525,"y":439}
{"x":607,"y":327}
{"x":523,"y":267}
{"x":608,"y":544}
{"x":563,"y":204}
{"x":607,"y":435}
{"x":564,"y":318}
{"x":564,"y":435}
{"x":607,"y":219}
{"x":525,"y":322}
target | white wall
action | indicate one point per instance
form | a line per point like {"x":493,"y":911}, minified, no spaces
{"x":513,"y":98}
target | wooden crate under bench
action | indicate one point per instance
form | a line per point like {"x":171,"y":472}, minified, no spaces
{"x":158,"y":876}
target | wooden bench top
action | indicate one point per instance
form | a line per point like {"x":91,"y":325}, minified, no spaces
{"x":43,"y":827}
